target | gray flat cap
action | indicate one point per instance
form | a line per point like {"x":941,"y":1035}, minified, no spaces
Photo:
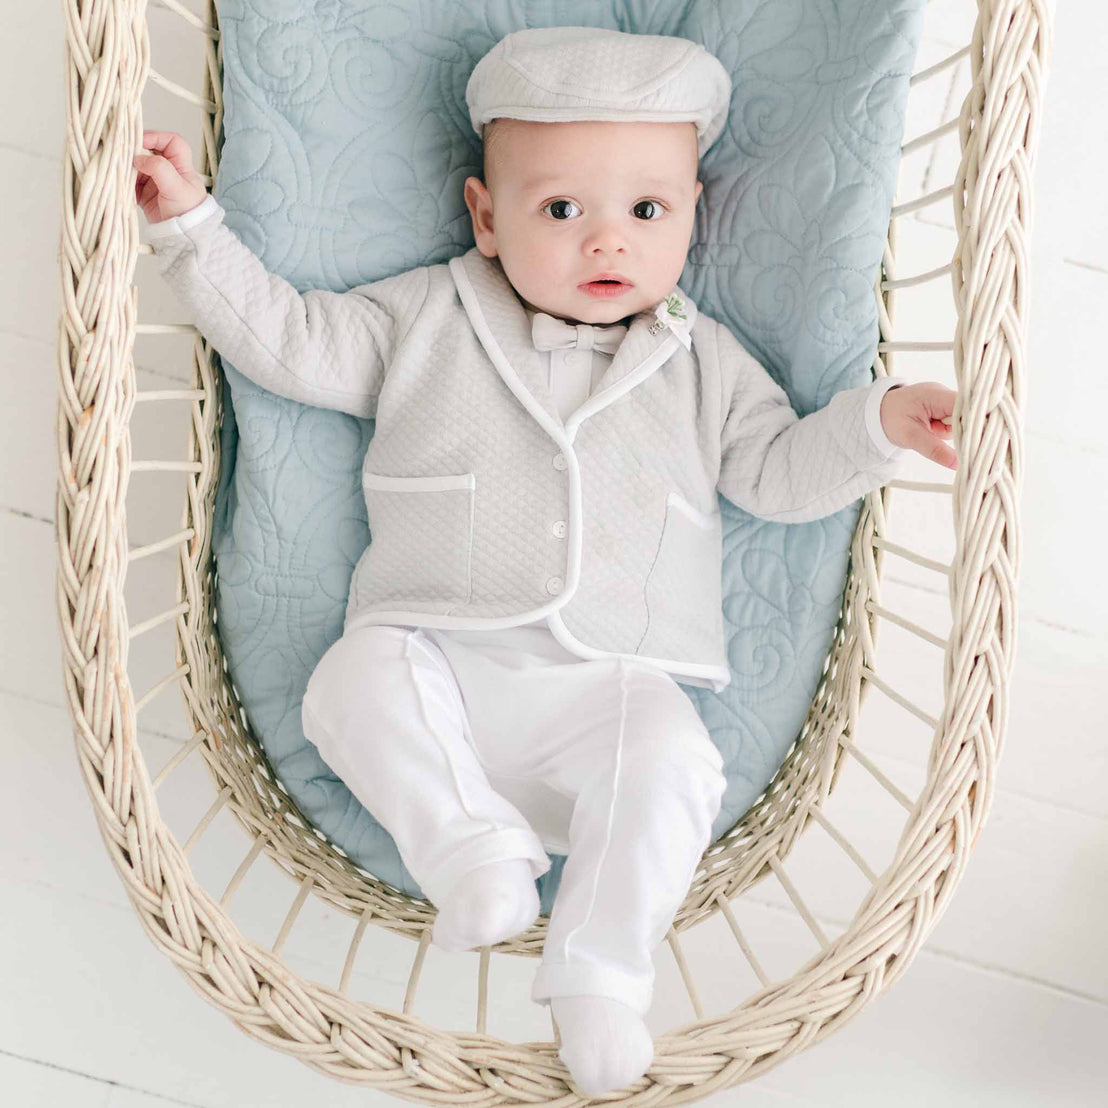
{"x":560,"y":74}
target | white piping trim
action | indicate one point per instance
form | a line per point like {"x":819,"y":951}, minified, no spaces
{"x":436,"y":483}
{"x":178,"y":224}
{"x":719,"y":676}
{"x":698,"y":517}
{"x":873,"y":416}
{"x":542,"y":417}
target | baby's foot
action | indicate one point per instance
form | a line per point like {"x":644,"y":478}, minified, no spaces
{"x":492,"y":903}
{"x":605,"y":1044}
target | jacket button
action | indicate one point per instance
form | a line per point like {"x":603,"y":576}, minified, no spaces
{"x":554,"y":586}
{"x":559,"y":529}
{"x":559,"y":461}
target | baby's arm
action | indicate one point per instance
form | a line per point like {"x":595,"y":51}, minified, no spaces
{"x":780,"y":467}
{"x":324,"y":348}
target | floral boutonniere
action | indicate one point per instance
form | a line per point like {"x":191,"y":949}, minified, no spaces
{"x":671,"y":313}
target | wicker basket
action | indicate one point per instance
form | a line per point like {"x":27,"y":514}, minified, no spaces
{"x":357,"y":1040}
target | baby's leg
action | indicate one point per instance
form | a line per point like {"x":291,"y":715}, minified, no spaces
{"x":649,"y":784}
{"x":385,"y":713}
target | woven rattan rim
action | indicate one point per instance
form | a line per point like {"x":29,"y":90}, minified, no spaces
{"x":107,"y":67}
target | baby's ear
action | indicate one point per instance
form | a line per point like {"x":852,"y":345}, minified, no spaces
{"x":699,"y":190}
{"x":480,"y":209}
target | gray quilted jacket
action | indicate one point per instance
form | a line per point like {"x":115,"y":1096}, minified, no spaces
{"x":485,"y":508}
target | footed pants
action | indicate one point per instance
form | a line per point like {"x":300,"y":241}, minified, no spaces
{"x":476,"y":747}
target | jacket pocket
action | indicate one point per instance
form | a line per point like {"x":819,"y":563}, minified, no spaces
{"x":420,"y":541}
{"x":683,"y":590}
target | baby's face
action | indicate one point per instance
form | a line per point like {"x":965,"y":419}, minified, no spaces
{"x":567,"y":201}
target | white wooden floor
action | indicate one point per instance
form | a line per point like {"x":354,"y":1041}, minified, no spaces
{"x":1008,"y":1003}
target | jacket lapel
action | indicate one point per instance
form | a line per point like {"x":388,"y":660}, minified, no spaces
{"x":500,"y":320}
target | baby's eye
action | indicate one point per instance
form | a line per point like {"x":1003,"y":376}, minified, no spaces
{"x":551,"y":204}
{"x":657,"y":210}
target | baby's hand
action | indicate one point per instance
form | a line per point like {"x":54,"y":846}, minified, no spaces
{"x":913,"y":417}
{"x":167,"y":185}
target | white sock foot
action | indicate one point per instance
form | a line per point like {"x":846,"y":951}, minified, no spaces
{"x":491,"y":904}
{"x":605,"y":1044}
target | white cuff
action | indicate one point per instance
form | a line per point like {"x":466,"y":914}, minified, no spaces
{"x":164,"y":228}
{"x":873,"y":416}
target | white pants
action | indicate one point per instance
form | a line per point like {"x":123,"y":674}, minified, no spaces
{"x":468,"y":750}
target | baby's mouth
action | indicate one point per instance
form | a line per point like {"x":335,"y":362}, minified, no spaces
{"x":605,"y":287}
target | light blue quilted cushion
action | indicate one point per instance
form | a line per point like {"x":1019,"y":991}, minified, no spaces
{"x":347,"y":145}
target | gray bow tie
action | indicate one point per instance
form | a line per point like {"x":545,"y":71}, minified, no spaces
{"x":549,"y":333}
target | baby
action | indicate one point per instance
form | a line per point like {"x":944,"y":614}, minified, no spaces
{"x":554,"y":419}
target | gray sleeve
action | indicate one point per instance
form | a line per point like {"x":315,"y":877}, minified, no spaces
{"x":324,"y":348}
{"x":780,"y":467}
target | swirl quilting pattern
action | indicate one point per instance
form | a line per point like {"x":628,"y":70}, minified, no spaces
{"x":347,"y":144}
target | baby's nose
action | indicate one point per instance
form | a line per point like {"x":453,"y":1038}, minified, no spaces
{"x":607,"y":236}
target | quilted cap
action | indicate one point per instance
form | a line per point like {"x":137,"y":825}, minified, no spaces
{"x":560,"y":74}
